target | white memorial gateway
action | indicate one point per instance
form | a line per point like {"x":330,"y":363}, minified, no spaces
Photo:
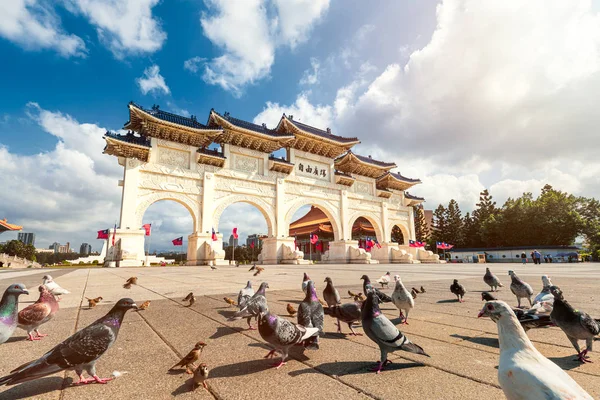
{"x":167,"y":157}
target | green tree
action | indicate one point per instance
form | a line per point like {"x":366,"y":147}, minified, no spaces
{"x":421,"y":228}
{"x":470,"y":231}
{"x":486,"y":208}
{"x":397,"y":236}
{"x":19,"y":249}
{"x":454,"y":224}
{"x":440,"y":225}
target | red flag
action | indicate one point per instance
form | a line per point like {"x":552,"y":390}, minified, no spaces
{"x":114,"y":235}
{"x":313,"y":238}
{"x":147,"y":228}
{"x":252,"y":244}
{"x":103,"y":234}
{"x":412,"y":243}
{"x":235,"y":234}
{"x":319,"y":246}
{"x":377,"y":244}
{"x":178,"y":241}
{"x":214,"y":235}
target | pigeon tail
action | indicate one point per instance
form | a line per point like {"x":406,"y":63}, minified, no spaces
{"x":30,"y":371}
{"x":310,"y":332}
{"x":414,"y":348}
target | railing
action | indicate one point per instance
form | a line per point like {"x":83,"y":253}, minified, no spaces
{"x":130,"y":138}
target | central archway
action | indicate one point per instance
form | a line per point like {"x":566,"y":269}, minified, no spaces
{"x":372,"y":219}
{"x":331,"y":213}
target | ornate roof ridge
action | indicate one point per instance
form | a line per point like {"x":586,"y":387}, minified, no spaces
{"x":412,"y":197}
{"x":156,"y":112}
{"x":250,"y":125}
{"x":401,"y":177}
{"x":319,"y":132}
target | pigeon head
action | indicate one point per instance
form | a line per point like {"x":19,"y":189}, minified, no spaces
{"x":328,"y":280}
{"x":249,"y":285}
{"x":511,"y":272}
{"x":486,"y":296}
{"x":495,"y":310}
{"x":124,"y":305}
{"x":546,"y":281}
{"x":17,"y":289}
{"x":263,"y":288}
{"x":556,"y":292}
{"x":306,"y":278}
{"x":372,"y":304}
{"x":397,"y":278}
{"x":311,"y":292}
{"x":365,"y":278}
{"x":455,"y":281}
{"x":200,"y":345}
{"x":388,"y":273}
{"x":47,"y":278}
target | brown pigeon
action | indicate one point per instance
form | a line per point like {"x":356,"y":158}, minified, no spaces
{"x":38,"y":313}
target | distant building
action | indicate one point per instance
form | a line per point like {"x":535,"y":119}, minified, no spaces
{"x":233,"y":241}
{"x":44,"y":250}
{"x":254,"y":238}
{"x":26,"y":238}
{"x":64,"y":248}
{"x":513,"y":254}
{"x":54,"y":246}
{"x":85,"y":249}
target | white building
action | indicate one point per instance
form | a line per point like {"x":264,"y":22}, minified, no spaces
{"x":514,"y":254}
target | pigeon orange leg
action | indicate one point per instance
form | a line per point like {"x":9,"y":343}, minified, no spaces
{"x":40,"y":335}
{"x":353,"y":332}
{"x":279,"y":364}
{"x":270,"y":354}
{"x":583,"y":357}
{"x":380,"y":366}
{"x":102,"y":380}
{"x":32,"y":338}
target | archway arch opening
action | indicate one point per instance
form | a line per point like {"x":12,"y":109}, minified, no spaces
{"x":312,"y":229}
{"x":399,"y":235}
{"x":253,"y":225}
{"x":170,"y":220}
{"x":366,"y":231}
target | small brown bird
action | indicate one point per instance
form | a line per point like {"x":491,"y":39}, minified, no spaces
{"x":188,"y":361}
{"x":360,"y":297}
{"x":130,"y":281}
{"x":258,"y":270}
{"x":323,"y":303}
{"x":191,"y":298}
{"x":229,"y":301}
{"x":422,"y":289}
{"x":144,"y":305}
{"x":92,"y":302}
{"x":291,"y":310}
{"x":213,"y":267}
{"x":200,"y":376}
{"x":413,"y":293}
{"x":414,"y":289}
{"x":352,"y":294}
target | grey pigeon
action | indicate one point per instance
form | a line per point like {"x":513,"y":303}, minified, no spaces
{"x":520,"y":288}
{"x":310,"y":313}
{"x":9,"y":310}
{"x":305,"y":280}
{"x":367,"y":287}
{"x":79,"y":352}
{"x":491,"y":280}
{"x":245,"y":294}
{"x":531,"y":320}
{"x":458,"y":290}
{"x":487,"y":296}
{"x":347,"y":312}
{"x":577,"y":325}
{"x":282,"y":334}
{"x":384,"y":333}
{"x":254,"y":306}
{"x":545,"y":296}
{"x":332,"y":297}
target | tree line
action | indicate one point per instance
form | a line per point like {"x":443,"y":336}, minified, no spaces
{"x":552,"y":218}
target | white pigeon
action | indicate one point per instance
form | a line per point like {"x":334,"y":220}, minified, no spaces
{"x":523,"y":372}
{"x":402,"y":299}
{"x":52,"y":286}
{"x":545,"y":296}
{"x":245,"y":294}
{"x":385,"y":279}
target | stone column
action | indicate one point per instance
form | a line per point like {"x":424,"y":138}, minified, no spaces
{"x":131,"y":179}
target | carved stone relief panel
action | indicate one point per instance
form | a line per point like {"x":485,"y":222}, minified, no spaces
{"x":363,"y":188}
{"x":246,"y":164}
{"x":243,"y":186}
{"x":172,"y":170}
{"x":170,"y":183}
{"x":174,"y":158}
{"x":173,"y":145}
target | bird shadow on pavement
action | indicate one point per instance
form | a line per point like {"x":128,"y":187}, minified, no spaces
{"x":226,"y":313}
{"x":33,"y":389}
{"x":291,"y":301}
{"x":447,"y":301}
{"x":16,"y":339}
{"x":241,"y":368}
{"x":485,"y":341}
{"x":341,"y":368}
{"x":185,"y":387}
{"x":224,"y":331}
{"x":568,"y":362}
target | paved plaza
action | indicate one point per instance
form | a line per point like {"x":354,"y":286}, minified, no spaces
{"x":464,"y":350}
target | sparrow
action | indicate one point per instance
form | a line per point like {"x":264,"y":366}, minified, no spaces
{"x":130,"y":281}
{"x":188,"y":361}
{"x":229,"y":301}
{"x":422,"y":290}
{"x":191,"y":298}
{"x":413,"y":293}
{"x":200,"y":376}
{"x":352,"y":294}
{"x":291,"y":310}
{"x":144,"y":305}
{"x":92,"y":302}
{"x":258,"y":270}
{"x":360,"y":297}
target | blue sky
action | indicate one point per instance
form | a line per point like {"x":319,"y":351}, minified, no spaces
{"x":463,"y":94}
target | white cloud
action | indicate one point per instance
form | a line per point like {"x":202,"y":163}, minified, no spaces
{"x":34,"y":25}
{"x":194,"y":64}
{"x":67,"y":193}
{"x":302,"y":110}
{"x":125,"y":27}
{"x":249,"y":37}
{"x":311,"y":76}
{"x":152,"y":81}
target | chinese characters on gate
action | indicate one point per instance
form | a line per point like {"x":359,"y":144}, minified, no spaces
{"x":310,"y":170}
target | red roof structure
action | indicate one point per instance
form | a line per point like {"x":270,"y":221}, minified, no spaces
{"x":5,"y":226}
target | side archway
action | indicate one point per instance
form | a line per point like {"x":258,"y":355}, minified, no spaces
{"x":331,"y":213}
{"x":265,"y":208}
{"x":372,"y":218}
{"x":403,"y":228}
{"x":146,"y":201}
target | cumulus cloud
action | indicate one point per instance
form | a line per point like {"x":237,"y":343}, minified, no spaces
{"x":125,"y":27}
{"x":249,"y":36}
{"x":152,"y":81}
{"x":302,"y":110}
{"x":34,"y":25}
{"x":311,"y":76}
{"x":194,"y":64}
{"x":67,"y":193}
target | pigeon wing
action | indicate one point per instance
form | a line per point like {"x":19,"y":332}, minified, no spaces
{"x":287,"y":333}
{"x":304,"y":315}
{"x":34,"y":313}
{"x":589,"y":323}
{"x":386,"y":332}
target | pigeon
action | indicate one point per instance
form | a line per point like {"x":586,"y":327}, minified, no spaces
{"x":258,"y":271}
{"x":352,"y":294}
{"x":9,"y":310}
{"x":491,"y":280}
{"x":384,"y":280}
{"x":191,"y":298}
{"x":291,"y":310}
{"x":93,"y":302}
{"x":200,"y":376}
{"x":520,"y":288}
{"x":310,"y":313}
{"x":529,"y":319}
{"x":523,"y":372}
{"x":188,"y":361}
{"x":577,"y":325}
{"x":53,"y":287}
{"x":422,"y":290}
{"x":245,"y":294}
{"x":384,"y":333}
{"x":79,"y":352}
{"x":347,"y":312}
{"x":130,"y":281}
{"x":282,"y":334}
{"x":38,"y":313}
{"x":144,"y":305}
{"x":229,"y":301}
{"x":459,"y":290}
{"x":367,"y":287}
{"x":545,"y":296}
{"x":254,"y":306}
{"x":212,"y":267}
{"x":487,"y":296}
{"x":252,"y":268}
{"x":305,"y":280}
{"x":331,"y":294}
{"x":402,"y":299}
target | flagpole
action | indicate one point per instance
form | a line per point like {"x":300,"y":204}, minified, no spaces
{"x":149,"y":239}
{"x":233,"y":251}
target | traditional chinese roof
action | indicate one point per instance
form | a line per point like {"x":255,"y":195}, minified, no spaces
{"x":5,"y":226}
{"x":314,"y":140}
{"x":280,"y":165}
{"x":164,"y":125}
{"x":315,"y":221}
{"x":247,"y":134}
{"x":128,"y":145}
{"x":343,"y":178}
{"x":211,"y":157}
{"x":413,"y":200}
{"x":391,"y":180}
{"x":351,"y":163}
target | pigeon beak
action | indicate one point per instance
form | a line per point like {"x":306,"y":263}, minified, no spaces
{"x":481,"y":314}
{"x":135,"y":306}
{"x":25,"y":291}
